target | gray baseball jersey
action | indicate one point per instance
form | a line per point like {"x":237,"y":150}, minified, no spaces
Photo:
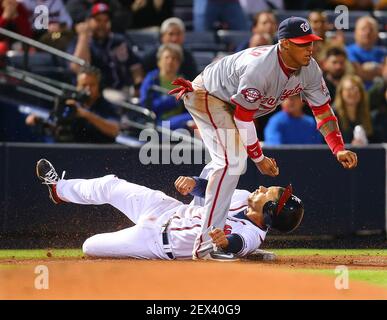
{"x":255,"y":79}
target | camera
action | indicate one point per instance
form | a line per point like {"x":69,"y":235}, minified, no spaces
{"x":64,"y":115}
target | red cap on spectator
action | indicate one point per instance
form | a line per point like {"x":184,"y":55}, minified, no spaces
{"x":99,"y":8}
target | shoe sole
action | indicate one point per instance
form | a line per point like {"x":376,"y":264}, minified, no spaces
{"x":48,"y":187}
{"x":209,"y":258}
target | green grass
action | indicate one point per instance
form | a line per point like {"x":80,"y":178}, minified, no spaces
{"x":77,"y":253}
{"x":40,"y":254}
{"x":329,"y":252}
{"x":378,"y":277}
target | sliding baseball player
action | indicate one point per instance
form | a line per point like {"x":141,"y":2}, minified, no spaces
{"x":165,"y":228}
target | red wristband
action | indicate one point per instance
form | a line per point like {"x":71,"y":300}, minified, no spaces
{"x":244,"y":114}
{"x":254,"y":151}
{"x":335,"y":141}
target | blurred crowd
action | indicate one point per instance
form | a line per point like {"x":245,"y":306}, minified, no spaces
{"x":138,"y":47}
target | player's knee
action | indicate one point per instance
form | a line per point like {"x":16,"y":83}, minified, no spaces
{"x":88,"y":248}
{"x":107,"y":184}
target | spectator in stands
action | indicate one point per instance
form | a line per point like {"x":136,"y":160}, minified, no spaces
{"x":291,"y":125}
{"x":13,"y":16}
{"x":224,"y":14}
{"x":120,"y":10}
{"x":150,"y":13}
{"x":366,"y":5}
{"x":59,"y":33}
{"x":264,"y":23}
{"x":335,"y":66}
{"x":365,"y":56}
{"x":251,"y":7}
{"x":353,"y":110}
{"x":257,"y":40}
{"x":378,"y":104}
{"x":157,"y":83}
{"x":380,"y":4}
{"x":96,"y":120}
{"x":173,"y":31}
{"x":319,"y":22}
{"x":376,"y":92}
{"x":108,"y":51}
{"x":79,"y":9}
{"x":379,"y":117}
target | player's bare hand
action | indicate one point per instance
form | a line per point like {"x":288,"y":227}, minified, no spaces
{"x":219,"y":238}
{"x":348,"y":159}
{"x":185,"y":185}
{"x":268,"y":166}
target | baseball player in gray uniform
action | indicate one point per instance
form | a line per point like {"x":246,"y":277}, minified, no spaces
{"x":226,"y":97}
{"x":165,"y":228}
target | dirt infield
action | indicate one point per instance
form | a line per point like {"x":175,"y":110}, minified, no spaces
{"x":135,"y":279}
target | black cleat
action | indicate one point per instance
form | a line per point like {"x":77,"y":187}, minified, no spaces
{"x":47,"y":174}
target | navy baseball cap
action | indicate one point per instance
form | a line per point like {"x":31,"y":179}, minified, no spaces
{"x":297,"y":30}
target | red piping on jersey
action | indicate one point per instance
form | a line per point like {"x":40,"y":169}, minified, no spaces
{"x":235,"y":209}
{"x":288,"y":72}
{"x":234,"y":220}
{"x":185,"y":228}
{"x":221,"y":179}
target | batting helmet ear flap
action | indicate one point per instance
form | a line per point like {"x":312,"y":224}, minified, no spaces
{"x":269,"y":209}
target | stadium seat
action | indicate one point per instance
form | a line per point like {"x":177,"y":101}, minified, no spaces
{"x":143,"y":40}
{"x":284,"y":14}
{"x":42,"y":63}
{"x":349,"y":37}
{"x":382,"y":39}
{"x":381,"y":16}
{"x":203,"y":58}
{"x":185,"y":14}
{"x":202,"y":41}
{"x":232,"y":38}
{"x":34,"y":59}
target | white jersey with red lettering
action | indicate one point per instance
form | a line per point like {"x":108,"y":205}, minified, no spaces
{"x":256,"y":79}
{"x":186,"y":223}
{"x":151,"y":211}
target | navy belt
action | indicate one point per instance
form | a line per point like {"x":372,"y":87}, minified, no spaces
{"x":166,"y":245}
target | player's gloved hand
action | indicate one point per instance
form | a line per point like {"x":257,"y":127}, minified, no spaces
{"x":268,"y":166}
{"x":185,"y":185}
{"x":219,"y":238}
{"x":348,"y":159}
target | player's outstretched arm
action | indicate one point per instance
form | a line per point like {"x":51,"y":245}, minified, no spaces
{"x":329,"y":128}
